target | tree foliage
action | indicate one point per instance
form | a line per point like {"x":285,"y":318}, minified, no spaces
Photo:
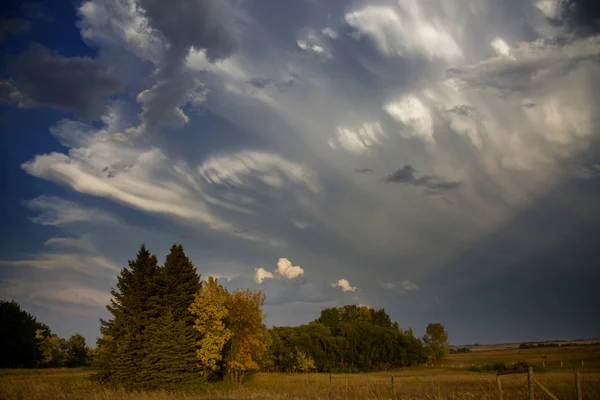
{"x":148,"y":305}
{"x":436,"y":341}
{"x":233,"y":334}
{"x":210,"y":309}
{"x":345,"y":339}
{"x":18,"y":343}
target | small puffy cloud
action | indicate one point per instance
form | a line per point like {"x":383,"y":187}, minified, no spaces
{"x":344,"y":285}
{"x":433,"y":184}
{"x":285,"y":270}
{"x":501,"y":47}
{"x":288,"y":271}
{"x":260,"y":274}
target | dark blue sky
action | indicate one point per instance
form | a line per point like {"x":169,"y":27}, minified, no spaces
{"x":438,"y":160}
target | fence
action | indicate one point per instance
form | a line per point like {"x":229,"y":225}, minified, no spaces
{"x":531,"y":383}
{"x":403,"y":386}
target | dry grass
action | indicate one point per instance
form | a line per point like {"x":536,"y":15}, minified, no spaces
{"x":411,"y":383}
{"x":70,"y":385}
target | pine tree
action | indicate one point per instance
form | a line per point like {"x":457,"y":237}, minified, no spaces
{"x":172,"y":362}
{"x":180,"y":282}
{"x":135,"y":301}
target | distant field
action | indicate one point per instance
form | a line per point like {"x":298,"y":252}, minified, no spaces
{"x":411,"y":383}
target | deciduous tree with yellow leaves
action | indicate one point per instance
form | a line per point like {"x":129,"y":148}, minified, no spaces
{"x":232,"y":329}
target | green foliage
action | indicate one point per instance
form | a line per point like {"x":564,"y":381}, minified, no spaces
{"x":305,"y":363}
{"x":18,"y":345}
{"x":345,"y":339}
{"x":53,"y":350}
{"x":436,"y":341}
{"x":78,"y":354}
{"x":149,"y":305}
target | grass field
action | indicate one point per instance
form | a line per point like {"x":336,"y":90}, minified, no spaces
{"x":410,"y":383}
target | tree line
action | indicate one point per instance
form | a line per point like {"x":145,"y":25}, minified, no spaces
{"x":28,"y":343}
{"x":169,"y":329}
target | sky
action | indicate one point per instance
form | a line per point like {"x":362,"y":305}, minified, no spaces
{"x":439,"y":159}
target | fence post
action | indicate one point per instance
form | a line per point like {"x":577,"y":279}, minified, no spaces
{"x":393,"y":387}
{"x":530,"y":383}
{"x":500,"y":395}
{"x":543,"y":364}
{"x":578,"y":384}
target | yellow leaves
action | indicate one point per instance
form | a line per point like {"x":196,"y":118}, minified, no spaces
{"x":235,"y":320}
{"x":209,"y":307}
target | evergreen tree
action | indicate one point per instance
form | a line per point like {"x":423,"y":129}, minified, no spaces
{"x":134,"y":303}
{"x":180,"y":282}
{"x":172,"y":362}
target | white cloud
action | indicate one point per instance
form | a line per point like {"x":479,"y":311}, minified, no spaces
{"x":344,"y":285}
{"x":285,"y":270}
{"x":89,"y":264}
{"x":81,"y":244}
{"x":411,"y":111}
{"x":404,"y":30}
{"x":119,"y":25}
{"x":47,"y":292}
{"x":501,"y":47}
{"x":357,"y":140}
{"x":550,"y":8}
{"x":260,"y":274}
{"x":271,"y":169}
{"x":55,"y":211}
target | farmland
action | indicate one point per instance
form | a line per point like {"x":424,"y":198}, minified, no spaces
{"x":421,"y":382}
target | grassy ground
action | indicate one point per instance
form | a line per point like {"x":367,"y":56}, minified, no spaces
{"x":410,"y":383}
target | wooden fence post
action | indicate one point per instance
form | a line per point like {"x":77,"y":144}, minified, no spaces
{"x":393,"y":387}
{"x":530,"y":383}
{"x":500,"y":395}
{"x":578,"y":384}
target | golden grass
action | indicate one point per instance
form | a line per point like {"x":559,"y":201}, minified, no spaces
{"x":418,"y":383}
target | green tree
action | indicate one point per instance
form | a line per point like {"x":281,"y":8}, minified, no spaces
{"x":436,"y":341}
{"x":180,"y":282}
{"x":305,"y":362}
{"x":172,"y":362}
{"x":18,"y":344}
{"x":135,"y":301}
{"x":77,"y":351}
{"x":54,"y":350}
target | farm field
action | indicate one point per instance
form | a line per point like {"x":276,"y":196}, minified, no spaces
{"x":410,"y":383}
